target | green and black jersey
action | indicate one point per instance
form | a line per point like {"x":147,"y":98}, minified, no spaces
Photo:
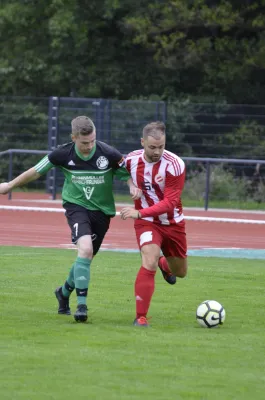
{"x":88,"y":180}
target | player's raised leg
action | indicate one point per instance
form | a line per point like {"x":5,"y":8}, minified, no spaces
{"x":174,"y":248}
{"x":179,"y":266}
{"x":166,"y":271}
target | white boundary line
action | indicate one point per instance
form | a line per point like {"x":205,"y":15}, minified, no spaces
{"x":121,"y":204}
{"x":188,"y":218}
{"x":232,"y":220}
{"x":23,"y":208}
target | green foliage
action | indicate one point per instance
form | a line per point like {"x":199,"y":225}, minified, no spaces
{"x":179,"y":119}
{"x":193,"y":125}
{"x":210,"y":48}
{"x":123,"y":49}
{"x":248,"y":140}
{"x":24,"y":125}
{"x":258,"y":194}
{"x":223,"y":184}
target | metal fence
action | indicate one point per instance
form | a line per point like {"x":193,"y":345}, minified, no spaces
{"x":193,"y":129}
{"x":208,"y":179}
{"x":217,"y":130}
{"x":117,"y":122}
{"x":221,"y":131}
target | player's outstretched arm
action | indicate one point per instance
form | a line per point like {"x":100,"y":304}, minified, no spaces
{"x":22,"y":179}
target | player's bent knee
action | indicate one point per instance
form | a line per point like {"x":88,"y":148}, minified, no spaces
{"x":150,"y":262}
{"x":179,"y":267}
{"x":181,"y":273}
{"x":85,"y":247}
{"x":85,"y":254}
{"x":150,"y":256}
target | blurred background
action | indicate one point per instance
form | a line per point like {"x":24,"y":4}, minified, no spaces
{"x":196,"y":65}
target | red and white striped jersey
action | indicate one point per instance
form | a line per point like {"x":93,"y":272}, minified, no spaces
{"x":161,"y":182}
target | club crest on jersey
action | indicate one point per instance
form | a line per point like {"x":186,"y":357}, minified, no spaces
{"x":159,"y":179}
{"x":102,"y":162}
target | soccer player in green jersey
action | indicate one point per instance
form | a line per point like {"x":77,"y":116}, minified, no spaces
{"x":88,"y":166}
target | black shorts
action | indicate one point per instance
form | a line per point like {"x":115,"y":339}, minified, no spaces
{"x":85,"y":222}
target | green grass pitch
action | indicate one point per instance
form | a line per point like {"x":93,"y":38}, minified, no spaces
{"x":45,"y":356}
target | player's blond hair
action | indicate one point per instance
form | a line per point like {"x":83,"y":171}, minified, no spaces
{"x":82,"y":125}
{"x":154,"y":129}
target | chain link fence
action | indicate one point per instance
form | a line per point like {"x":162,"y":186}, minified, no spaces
{"x":193,"y":130}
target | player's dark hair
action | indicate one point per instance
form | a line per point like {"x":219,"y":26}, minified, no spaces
{"x":82,"y":125}
{"x":154,"y":129}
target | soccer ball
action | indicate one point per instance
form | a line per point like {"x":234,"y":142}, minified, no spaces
{"x":210,"y":313}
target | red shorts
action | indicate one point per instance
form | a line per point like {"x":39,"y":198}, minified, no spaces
{"x":170,"y":238}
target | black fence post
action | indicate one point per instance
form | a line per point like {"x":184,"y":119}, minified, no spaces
{"x":101,"y":119}
{"x":207,"y":186}
{"x":161,"y":115}
{"x":98,"y":117}
{"x":10,"y":172}
{"x":109,"y":104}
{"x":52,"y":141}
{"x":165,"y":112}
{"x":157,"y":111}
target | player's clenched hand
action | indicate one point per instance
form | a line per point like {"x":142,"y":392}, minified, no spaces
{"x":135,"y":192}
{"x":129,"y":212}
{"x":4,"y":188}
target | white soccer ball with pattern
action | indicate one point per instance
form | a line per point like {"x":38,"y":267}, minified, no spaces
{"x":210,"y":314}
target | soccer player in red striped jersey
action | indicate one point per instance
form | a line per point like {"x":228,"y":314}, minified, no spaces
{"x":159,"y":220}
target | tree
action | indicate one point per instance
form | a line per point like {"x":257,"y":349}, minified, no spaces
{"x":69,"y":47}
{"x":209,"y":47}
{"x":127,"y":49}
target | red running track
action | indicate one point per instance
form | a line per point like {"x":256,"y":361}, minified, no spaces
{"x":50,"y":229}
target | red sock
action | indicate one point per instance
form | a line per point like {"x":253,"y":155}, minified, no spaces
{"x":164,"y":264}
{"x":143,"y":289}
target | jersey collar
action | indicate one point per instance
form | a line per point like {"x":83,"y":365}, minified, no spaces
{"x":150,"y":163}
{"x":87,"y":157}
